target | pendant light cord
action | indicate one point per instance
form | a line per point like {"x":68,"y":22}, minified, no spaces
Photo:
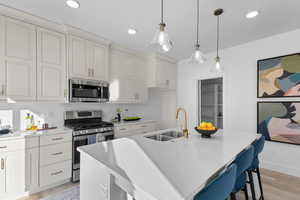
{"x":162,"y":11}
{"x":197,"y":23}
{"x":218,"y":34}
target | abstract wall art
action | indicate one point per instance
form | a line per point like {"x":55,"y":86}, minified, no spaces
{"x":279,"y":77}
{"x":279,"y":121}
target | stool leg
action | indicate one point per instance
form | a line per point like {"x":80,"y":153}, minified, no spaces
{"x":246,"y":192}
{"x":252,"y":185}
{"x":260,"y":184}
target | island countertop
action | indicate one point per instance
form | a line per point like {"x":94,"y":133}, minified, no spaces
{"x":175,"y":169}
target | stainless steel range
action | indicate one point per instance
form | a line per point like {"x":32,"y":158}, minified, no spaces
{"x":88,"y":128}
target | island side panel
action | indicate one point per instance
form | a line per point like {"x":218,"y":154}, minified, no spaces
{"x":96,"y":183}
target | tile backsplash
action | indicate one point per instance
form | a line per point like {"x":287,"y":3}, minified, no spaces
{"x":52,"y":113}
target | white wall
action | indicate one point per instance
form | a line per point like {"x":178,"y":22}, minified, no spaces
{"x":53,"y":112}
{"x":240,"y":92}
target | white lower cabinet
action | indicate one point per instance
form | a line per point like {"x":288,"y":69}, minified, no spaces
{"x":12,"y":174}
{"x":125,"y":130}
{"x":55,"y":158}
{"x":35,"y":163}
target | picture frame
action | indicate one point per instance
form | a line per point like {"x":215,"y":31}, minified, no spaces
{"x":279,"y":77}
{"x":279,"y":121}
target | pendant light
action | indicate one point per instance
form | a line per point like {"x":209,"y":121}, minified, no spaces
{"x":197,"y":57}
{"x":161,"y":40}
{"x":218,"y":68}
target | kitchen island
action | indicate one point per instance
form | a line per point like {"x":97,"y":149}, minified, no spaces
{"x":147,"y":169}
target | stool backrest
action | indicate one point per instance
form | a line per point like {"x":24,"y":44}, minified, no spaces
{"x":259,"y":145}
{"x":221,"y":187}
{"x":244,"y":160}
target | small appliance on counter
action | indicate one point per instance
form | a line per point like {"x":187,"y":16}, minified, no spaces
{"x":88,"y":128}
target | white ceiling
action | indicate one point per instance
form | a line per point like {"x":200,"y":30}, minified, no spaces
{"x":112,"y":18}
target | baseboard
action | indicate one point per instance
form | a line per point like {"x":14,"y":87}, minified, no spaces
{"x":41,"y":189}
{"x":281,"y":168}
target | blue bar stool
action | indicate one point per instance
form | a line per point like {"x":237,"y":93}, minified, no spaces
{"x":243,"y":162}
{"x":254,"y":168}
{"x":221,"y":187}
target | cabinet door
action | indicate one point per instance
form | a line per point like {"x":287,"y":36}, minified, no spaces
{"x":78,"y":58}
{"x":19,"y":60}
{"x":98,"y":61}
{"x":172,"y":75}
{"x":166,"y":74}
{"x":32,"y":169}
{"x":2,"y":62}
{"x":51,"y":66}
{"x":12,"y":169}
{"x":162,"y":73}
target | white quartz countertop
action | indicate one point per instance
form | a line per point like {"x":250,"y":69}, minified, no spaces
{"x":176,"y":169}
{"x":124,"y":123}
{"x":23,"y":134}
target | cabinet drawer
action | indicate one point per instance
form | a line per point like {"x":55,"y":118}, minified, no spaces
{"x":55,"y":139}
{"x":12,"y":145}
{"x":55,"y":153}
{"x":146,"y":127}
{"x":55,"y":173}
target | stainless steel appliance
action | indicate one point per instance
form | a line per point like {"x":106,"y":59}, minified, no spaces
{"x":81,"y":90}
{"x":88,"y":128}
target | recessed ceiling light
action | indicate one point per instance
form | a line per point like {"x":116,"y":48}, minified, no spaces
{"x":73,"y":3}
{"x":132,"y":31}
{"x":252,"y":14}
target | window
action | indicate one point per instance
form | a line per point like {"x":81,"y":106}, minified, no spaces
{"x":6,"y":119}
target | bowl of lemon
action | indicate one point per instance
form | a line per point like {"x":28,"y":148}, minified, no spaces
{"x":206,"y":129}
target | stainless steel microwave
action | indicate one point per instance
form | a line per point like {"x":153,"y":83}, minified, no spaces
{"x":82,"y":90}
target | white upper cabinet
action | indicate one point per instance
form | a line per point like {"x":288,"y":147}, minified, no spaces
{"x":51,"y":66}
{"x":128,"y":77}
{"x":87,"y":59}
{"x":77,"y":58}
{"x":162,"y":72}
{"x":18,"y":60}
{"x":97,"y":61}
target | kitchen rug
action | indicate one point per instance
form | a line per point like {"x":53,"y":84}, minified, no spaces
{"x":68,"y":194}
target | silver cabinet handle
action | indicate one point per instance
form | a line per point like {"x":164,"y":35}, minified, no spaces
{"x":93,"y":72}
{"x":123,"y":129}
{"x":56,"y":173}
{"x":55,"y":139}
{"x":56,"y":154}
{"x":89,"y":72}
{"x":3,"y":147}
{"x":2,"y":163}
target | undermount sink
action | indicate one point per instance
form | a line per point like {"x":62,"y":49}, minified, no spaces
{"x":173,"y":134}
{"x":166,"y":136}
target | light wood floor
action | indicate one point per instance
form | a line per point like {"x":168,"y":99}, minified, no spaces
{"x":276,"y":186}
